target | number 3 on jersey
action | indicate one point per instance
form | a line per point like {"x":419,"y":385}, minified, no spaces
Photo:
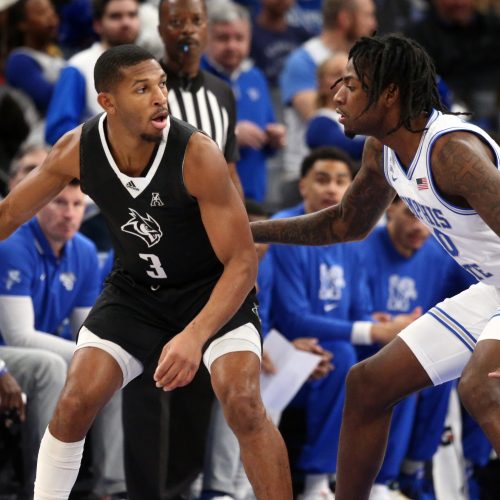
{"x":157,"y":270}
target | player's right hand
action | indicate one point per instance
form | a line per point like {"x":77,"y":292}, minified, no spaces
{"x":178,"y":363}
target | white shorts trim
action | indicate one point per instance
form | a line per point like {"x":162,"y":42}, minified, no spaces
{"x":131,"y":367}
{"x":444,"y":338}
{"x":243,"y":338}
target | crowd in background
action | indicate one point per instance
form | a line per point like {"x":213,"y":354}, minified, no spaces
{"x":265,"y":97}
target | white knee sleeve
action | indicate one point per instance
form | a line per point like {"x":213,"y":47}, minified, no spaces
{"x":57,"y":468}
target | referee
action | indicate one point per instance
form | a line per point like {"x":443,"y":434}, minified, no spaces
{"x":196,"y":96}
{"x":165,"y":433}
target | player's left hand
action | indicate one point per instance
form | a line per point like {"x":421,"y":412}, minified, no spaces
{"x":495,"y":374}
{"x":178,"y":363}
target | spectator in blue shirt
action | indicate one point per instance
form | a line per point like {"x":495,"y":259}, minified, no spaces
{"x":75,"y":98}
{"x":344,"y":21}
{"x":34,"y":65}
{"x":257,"y":132}
{"x":273,"y":38}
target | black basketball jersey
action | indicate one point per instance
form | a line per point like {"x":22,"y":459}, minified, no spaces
{"x":155,"y":224}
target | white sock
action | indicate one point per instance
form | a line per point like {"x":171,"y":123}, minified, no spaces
{"x":316,"y":483}
{"x":57,"y":468}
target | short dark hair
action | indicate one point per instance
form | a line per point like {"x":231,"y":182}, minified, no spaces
{"x":326,"y":153}
{"x":107,"y":70}
{"x":382,"y":60}
{"x":98,"y":8}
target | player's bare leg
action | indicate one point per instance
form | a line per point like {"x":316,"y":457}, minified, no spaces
{"x":235,"y":378}
{"x":480,"y":393}
{"x":373,"y":387}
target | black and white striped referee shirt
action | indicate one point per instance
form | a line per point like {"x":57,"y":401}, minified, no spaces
{"x":207,"y":103}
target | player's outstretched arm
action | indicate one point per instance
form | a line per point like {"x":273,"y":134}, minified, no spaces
{"x":353,"y":218}
{"x":42,"y":184}
{"x":463,"y":168}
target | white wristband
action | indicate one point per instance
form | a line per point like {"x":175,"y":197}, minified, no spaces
{"x":361,"y":333}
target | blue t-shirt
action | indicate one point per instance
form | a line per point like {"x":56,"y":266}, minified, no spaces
{"x":270,"y":49}
{"x":298,"y":75}
{"x":253,"y":103}
{"x":398,"y":284}
{"x":28,"y":267}
{"x":318,"y":291}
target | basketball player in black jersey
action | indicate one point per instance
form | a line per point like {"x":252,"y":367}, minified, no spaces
{"x":182,"y":286}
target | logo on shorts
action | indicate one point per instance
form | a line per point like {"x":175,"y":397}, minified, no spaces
{"x":145,"y":228}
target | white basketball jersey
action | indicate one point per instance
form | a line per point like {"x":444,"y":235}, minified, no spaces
{"x":461,"y":232}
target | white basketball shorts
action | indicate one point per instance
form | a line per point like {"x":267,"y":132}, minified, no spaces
{"x":444,"y":338}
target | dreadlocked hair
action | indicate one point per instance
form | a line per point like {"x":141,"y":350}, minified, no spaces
{"x":394,"y":59}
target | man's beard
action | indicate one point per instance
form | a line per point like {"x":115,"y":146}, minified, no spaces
{"x":157,"y":139}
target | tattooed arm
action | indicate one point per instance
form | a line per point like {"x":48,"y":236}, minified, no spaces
{"x":466,"y":175}
{"x":352,"y":219}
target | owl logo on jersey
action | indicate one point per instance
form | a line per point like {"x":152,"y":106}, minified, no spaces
{"x":145,"y":228}
{"x":68,"y":281}
{"x":332,"y":282}
{"x":402,"y":291}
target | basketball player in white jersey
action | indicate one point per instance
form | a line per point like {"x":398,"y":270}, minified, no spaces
{"x":446,"y":171}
